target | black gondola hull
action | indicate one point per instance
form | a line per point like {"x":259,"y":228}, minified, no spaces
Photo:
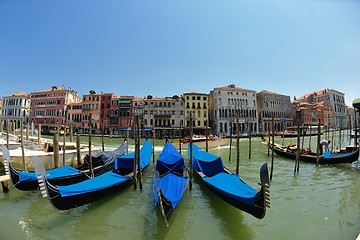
{"x":349,"y":157}
{"x":257,"y":210}
{"x":60,"y":181}
{"x":69,"y":202}
{"x":66,"y":203}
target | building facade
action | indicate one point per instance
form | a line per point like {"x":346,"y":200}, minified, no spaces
{"x":310,"y":114}
{"x":48,"y":107}
{"x":91,"y":111}
{"x":164,"y":115}
{"x":270,"y":104}
{"x":16,"y":109}
{"x":225,"y":102}
{"x":75,"y":115}
{"x":196,"y":104}
{"x":120,"y":113}
{"x":332,"y":98}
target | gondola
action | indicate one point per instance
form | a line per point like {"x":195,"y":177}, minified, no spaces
{"x":93,"y":189}
{"x":228,"y":186}
{"x":101,"y":161}
{"x":347,"y":155}
{"x":171,"y":178}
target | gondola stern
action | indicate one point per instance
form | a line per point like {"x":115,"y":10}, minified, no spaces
{"x":41,"y":177}
{"x":262,"y":198}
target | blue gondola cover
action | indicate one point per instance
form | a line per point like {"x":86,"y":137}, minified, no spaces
{"x":206,"y":162}
{"x":127,"y":161}
{"x":53,"y":173}
{"x":170,"y":159}
{"x":172,"y":187}
{"x":105,"y":180}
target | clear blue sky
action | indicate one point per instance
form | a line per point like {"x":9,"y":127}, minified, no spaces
{"x":164,"y":47}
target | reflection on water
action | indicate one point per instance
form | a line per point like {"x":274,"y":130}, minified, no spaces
{"x":317,"y":203}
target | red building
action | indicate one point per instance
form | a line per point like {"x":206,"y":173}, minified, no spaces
{"x":48,"y":106}
{"x":119,"y":115}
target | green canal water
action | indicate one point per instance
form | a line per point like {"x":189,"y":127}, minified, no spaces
{"x":317,"y":203}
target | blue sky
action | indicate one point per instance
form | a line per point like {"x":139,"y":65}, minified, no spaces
{"x":164,"y":47}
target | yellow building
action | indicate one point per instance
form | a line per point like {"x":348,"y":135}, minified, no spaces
{"x":197,"y":104}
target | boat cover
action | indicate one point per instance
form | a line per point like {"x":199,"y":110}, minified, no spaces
{"x":106,"y":157}
{"x":170,"y":159}
{"x":105,"y":180}
{"x":206,"y":162}
{"x":127,"y":161}
{"x":231,"y":185}
{"x":172,"y":186}
{"x":53,"y":173}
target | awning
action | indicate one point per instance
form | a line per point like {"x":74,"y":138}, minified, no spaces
{"x":122,"y":129}
{"x":124,"y":101}
{"x":124,"y":110}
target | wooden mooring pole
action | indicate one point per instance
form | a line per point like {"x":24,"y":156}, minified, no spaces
{"x":71,"y":132}
{"x":237,"y":143}
{"x":39,"y":134}
{"x":310,"y":138}
{"x":191,"y":150}
{"x":22,"y":148}
{"x":180,"y":132}
{"x":64,"y":137}
{"x":296,"y":168}
{"x":5,"y":183}
{"x":269,"y":140}
{"x":136,"y":152}
{"x":318,"y":145}
{"x":138,"y":155}
{"x":78,"y":156}
{"x":7,"y":133}
{"x":249,"y":131}
{"x":272,"y":146}
{"x":56,"y":150}
{"x":90,"y":153}
{"x":153,"y":146}
{"x":206,"y":136}
{"x":231,"y":131}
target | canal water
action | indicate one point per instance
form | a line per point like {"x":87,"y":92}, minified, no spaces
{"x":317,"y":203}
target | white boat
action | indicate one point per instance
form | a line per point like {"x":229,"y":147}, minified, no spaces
{"x":12,"y":144}
{"x":13,"y":141}
{"x":47,"y":156}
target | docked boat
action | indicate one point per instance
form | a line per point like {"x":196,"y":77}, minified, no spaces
{"x":171,"y":178}
{"x":348,"y":154}
{"x":101,"y":162}
{"x":228,"y":186}
{"x":46,"y":154}
{"x":8,"y":139}
{"x":75,"y":195}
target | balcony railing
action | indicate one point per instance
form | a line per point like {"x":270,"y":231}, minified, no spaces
{"x":165,"y":115}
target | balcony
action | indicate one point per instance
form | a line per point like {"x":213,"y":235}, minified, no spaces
{"x":165,"y":115}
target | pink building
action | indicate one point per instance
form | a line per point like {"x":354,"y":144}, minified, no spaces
{"x":48,"y":106}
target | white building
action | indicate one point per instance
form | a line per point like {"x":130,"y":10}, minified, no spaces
{"x":223,"y":104}
{"x":165,"y":114}
{"x":16,"y":109}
